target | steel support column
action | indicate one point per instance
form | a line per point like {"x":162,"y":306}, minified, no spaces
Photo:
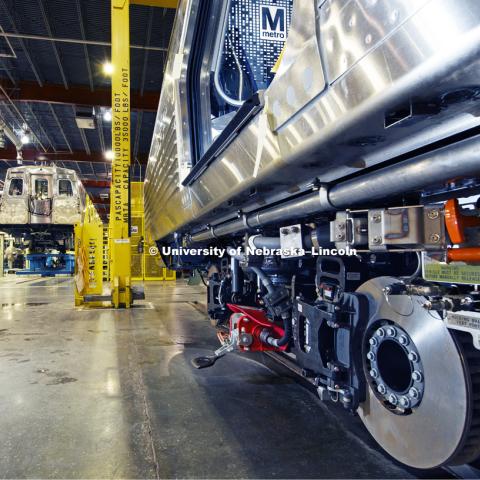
{"x":119,"y":234}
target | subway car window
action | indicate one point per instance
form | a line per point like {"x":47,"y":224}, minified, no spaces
{"x":65,"y":188}
{"x":41,"y":188}
{"x":16,"y":187}
{"x":247,"y":44}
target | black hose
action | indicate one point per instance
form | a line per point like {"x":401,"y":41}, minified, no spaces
{"x":286,"y":317}
{"x":287,"y":334}
{"x":267,"y":283}
{"x":201,"y":276}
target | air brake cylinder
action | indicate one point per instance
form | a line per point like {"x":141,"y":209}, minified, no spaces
{"x":250,"y":331}
{"x":254,"y":330}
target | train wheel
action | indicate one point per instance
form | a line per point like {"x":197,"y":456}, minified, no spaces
{"x":423,"y":396}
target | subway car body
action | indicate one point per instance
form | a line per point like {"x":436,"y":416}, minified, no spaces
{"x":41,"y":204}
{"x":330,"y":149}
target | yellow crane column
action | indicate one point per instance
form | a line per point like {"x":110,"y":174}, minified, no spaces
{"x":119,"y":226}
{"x":119,"y":234}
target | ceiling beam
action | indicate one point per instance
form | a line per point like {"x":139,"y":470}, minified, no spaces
{"x":30,"y":154}
{"x":56,"y":53}
{"x":85,"y":47}
{"x":6,"y":96}
{"x":79,"y":41}
{"x":75,"y":95}
{"x":22,"y":43}
{"x":96,"y":184}
{"x":156,"y":3}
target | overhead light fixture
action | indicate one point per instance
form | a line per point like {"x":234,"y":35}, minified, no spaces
{"x":25,"y":135}
{"x":19,"y":157}
{"x":107,"y":115}
{"x":108,"y":68}
{"x":85,"y":117}
{"x":109,"y":155}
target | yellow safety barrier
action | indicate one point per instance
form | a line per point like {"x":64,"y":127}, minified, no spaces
{"x":147,"y":263}
{"x":88,"y":277}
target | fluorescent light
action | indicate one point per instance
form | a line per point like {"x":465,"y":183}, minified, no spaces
{"x":108,"y":68}
{"x":107,"y":115}
{"x":109,"y":155}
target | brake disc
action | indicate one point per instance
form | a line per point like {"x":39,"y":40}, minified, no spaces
{"x":420,"y":403}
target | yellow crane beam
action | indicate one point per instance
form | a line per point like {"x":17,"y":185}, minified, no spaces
{"x":119,"y":234}
{"x":120,"y":255}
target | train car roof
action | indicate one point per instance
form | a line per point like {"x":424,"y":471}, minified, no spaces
{"x":40,"y":169}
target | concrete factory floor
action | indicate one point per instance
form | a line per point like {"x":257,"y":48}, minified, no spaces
{"x":112,"y":394}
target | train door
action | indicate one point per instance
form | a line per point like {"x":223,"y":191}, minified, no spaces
{"x":66,"y":201}
{"x":13,"y":207}
{"x":41,"y":198}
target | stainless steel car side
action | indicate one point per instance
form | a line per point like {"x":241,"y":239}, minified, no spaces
{"x":360,"y":82}
{"x":360,"y":133}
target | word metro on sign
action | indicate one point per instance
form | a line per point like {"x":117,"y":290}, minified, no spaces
{"x":273,"y":23}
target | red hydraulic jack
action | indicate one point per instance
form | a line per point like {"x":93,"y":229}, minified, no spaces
{"x":250,"y":331}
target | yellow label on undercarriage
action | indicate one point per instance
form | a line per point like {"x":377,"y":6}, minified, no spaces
{"x":435,"y":271}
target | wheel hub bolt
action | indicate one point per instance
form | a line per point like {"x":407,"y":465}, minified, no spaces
{"x":417,"y":376}
{"x":412,"y":356}
{"x":391,"y":332}
{"x":393,"y":399}
{"x":403,"y":340}
{"x":373,"y":373}
{"x":381,"y":389}
{"x":373,"y":342}
{"x":405,"y":402}
{"x":414,"y":393}
{"x":371,"y":356}
{"x":381,"y":332}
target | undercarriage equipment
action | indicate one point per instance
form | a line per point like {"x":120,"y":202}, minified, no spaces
{"x":332,"y":156}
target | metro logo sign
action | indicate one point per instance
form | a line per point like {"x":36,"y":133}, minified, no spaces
{"x":273,"y":23}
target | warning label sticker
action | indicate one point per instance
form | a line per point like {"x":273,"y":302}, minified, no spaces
{"x":466,"y":322}
{"x":459,"y":273}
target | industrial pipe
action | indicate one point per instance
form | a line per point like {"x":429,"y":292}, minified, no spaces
{"x":259,"y":241}
{"x":442,"y":165}
{"x":78,"y":41}
{"x":470,"y":255}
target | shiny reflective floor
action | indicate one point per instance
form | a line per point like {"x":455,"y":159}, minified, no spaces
{"x":112,"y":394}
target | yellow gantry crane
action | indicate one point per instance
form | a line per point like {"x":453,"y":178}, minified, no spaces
{"x":119,"y":234}
{"x":119,"y":226}
{"x":89,"y":246}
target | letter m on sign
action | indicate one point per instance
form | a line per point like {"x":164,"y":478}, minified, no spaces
{"x":273,"y":23}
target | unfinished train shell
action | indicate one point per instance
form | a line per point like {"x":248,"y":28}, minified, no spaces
{"x":41,"y":203}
